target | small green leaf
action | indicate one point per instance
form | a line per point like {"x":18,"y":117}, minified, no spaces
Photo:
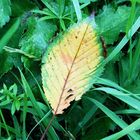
{"x":13,"y":89}
{"x":13,"y":109}
{"x":17,"y":104}
{"x":36,"y":39}
{"x":2,"y":97}
{"x":111,"y":22}
{"x":5,"y":102}
{"x":7,"y":36}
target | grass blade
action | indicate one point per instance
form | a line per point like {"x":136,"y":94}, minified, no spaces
{"x":38,"y":124}
{"x":24,"y":117}
{"x":77,"y":9}
{"x":28,"y":91}
{"x":17,"y":127}
{"x":120,"y":95}
{"x":5,"y":125}
{"x":4,"y":40}
{"x":87,"y":117}
{"x":114,"y":117}
{"x":132,"y":127}
{"x":10,"y":129}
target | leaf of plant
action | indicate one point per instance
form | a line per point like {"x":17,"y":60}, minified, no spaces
{"x":112,"y":22}
{"x":35,"y":39}
{"x":71,"y":65}
{"x":5,"y":12}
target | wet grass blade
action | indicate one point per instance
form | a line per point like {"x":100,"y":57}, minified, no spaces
{"x":77,"y":9}
{"x":114,"y":117}
{"x":132,"y":127}
{"x":4,"y":40}
{"x":123,"y":97}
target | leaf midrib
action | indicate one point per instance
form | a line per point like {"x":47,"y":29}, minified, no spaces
{"x":70,"y":72}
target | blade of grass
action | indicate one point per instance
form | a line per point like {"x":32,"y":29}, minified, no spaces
{"x":47,"y":114}
{"x":77,"y":9}
{"x":41,"y":91}
{"x":51,"y":133}
{"x":81,"y":7}
{"x":130,"y":59}
{"x":5,"y":125}
{"x":123,"y":42}
{"x":62,"y":24}
{"x":116,"y":86}
{"x":4,"y":40}
{"x":17,"y":127}
{"x":135,"y":60}
{"x":84,"y":5}
{"x":10,"y":129}
{"x":131,"y":17}
{"x":87,"y":117}
{"x":0,"y":127}
{"x":24,"y":117}
{"x":118,"y":94}
{"x":30,"y":94}
{"x":128,"y":111}
{"x":114,"y":117}
{"x":132,"y":127}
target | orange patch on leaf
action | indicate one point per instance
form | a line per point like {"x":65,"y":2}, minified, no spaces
{"x":66,"y":58}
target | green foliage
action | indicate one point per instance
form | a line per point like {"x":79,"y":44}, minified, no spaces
{"x":35,"y":40}
{"x":6,"y":60}
{"x":9,"y":96}
{"x":60,"y":12}
{"x":111,"y":22}
{"x":109,"y":111}
{"x":5,"y":12}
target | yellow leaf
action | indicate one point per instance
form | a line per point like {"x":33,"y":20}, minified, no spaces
{"x":71,"y":66}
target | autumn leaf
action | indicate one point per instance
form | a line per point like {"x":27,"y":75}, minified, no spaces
{"x":71,"y":65}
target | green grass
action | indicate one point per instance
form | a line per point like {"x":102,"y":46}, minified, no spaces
{"x":108,"y":111}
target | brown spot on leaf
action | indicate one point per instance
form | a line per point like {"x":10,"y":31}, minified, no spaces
{"x":68,"y":97}
{"x":70,"y":91}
